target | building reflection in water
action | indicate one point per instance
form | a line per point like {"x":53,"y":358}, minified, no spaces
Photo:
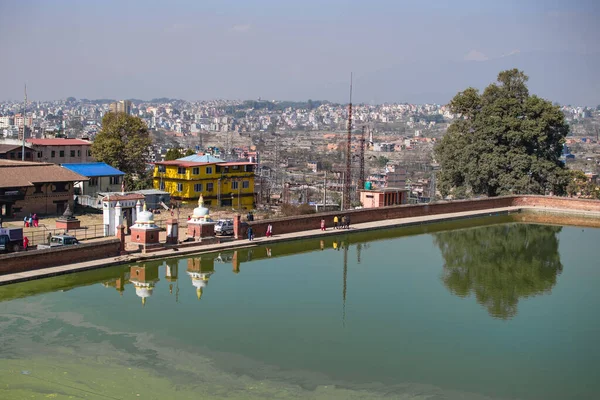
{"x":119,"y":282}
{"x":200,"y":269}
{"x":172,"y":275}
{"x":144,"y":278}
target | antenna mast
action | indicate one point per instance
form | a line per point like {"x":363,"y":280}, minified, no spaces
{"x":24,"y":122}
{"x":348,"y":175}
{"x":361,"y":175}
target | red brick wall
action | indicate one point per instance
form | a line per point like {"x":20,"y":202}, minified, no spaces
{"x":557,"y":202}
{"x":312,"y":221}
{"x":38,"y":259}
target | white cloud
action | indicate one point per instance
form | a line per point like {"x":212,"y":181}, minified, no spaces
{"x":241,"y":28}
{"x":475,"y":55}
{"x":511,"y":53}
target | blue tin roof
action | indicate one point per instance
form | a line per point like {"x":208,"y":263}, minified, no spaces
{"x":93,"y":169}
{"x":206,"y":158}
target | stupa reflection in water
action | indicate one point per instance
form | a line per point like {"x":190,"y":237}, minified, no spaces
{"x":200,"y":269}
{"x":144,"y":278}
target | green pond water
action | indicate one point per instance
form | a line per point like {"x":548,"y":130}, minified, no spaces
{"x":479,"y":309}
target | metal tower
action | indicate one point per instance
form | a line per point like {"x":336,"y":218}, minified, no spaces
{"x":361,"y":174}
{"x":348,"y":176}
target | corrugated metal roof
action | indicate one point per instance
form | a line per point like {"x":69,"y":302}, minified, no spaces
{"x":205,"y":158}
{"x":93,"y":169}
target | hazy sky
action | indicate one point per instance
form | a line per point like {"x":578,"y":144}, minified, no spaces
{"x":399,"y":51}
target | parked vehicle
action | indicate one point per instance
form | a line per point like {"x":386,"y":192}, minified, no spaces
{"x":11,"y":239}
{"x":59,"y":240}
{"x":224,"y":227}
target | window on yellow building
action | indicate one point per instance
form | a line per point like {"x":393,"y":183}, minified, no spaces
{"x":234,"y":184}
{"x":180,"y":187}
{"x":162,"y":186}
{"x":198,"y":187}
{"x":209,"y":187}
{"x":162,"y":168}
{"x":245,"y":184}
{"x":196,"y":171}
{"x":208,"y":170}
{"x":181,"y":170}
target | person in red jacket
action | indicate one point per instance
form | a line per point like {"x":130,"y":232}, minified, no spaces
{"x":25,"y":243}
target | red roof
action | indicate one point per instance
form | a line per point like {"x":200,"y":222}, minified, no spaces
{"x":226,"y":164}
{"x":59,"y":142}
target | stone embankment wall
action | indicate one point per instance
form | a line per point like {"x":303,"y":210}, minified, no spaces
{"x":38,"y":259}
{"x":313,"y":221}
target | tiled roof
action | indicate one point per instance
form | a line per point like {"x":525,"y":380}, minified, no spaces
{"x":120,"y":197}
{"x":23,"y":173}
{"x":93,"y":169}
{"x":59,"y":142}
{"x":5,"y":148}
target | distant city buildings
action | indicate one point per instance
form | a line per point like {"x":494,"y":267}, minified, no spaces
{"x":123,"y":106}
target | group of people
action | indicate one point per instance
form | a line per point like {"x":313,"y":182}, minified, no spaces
{"x":268,"y":233}
{"x":31,"y":221}
{"x":341,"y":223}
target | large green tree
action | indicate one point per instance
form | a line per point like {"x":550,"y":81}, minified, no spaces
{"x":124,"y":143}
{"x":504,"y":141}
{"x":176,"y":153}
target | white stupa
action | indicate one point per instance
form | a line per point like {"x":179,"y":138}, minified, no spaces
{"x":201,"y":214}
{"x":200,"y":225}
{"x":145,"y":219}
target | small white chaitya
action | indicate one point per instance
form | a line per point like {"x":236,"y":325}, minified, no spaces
{"x":201,"y":225}
{"x":145,"y":231}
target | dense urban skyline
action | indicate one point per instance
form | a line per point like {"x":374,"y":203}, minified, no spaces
{"x":399,"y":51}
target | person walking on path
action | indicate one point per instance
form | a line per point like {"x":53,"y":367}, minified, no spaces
{"x":250,"y":234}
{"x":347,"y":222}
{"x":35,"y":220}
{"x":323,"y":224}
{"x":344,"y":222}
{"x":25,"y":222}
{"x":269,"y":230}
{"x":25,"y":243}
{"x":335,"y":222}
{"x":30,"y":220}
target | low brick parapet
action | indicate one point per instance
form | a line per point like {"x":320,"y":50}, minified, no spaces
{"x":313,"y":221}
{"x":62,"y":255}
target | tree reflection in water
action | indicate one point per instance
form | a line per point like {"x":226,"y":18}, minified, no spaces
{"x":500,"y":264}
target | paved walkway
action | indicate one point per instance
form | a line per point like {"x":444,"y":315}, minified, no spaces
{"x":171,"y":253}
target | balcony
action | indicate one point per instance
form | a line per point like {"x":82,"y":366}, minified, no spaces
{"x":10,"y":196}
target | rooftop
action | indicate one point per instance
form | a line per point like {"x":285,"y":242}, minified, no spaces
{"x":23,"y":173}
{"x":94,"y":169}
{"x":201,"y":158}
{"x":59,"y":142}
{"x":4,"y":148}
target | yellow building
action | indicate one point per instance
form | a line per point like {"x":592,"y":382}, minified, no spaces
{"x":221,"y":183}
